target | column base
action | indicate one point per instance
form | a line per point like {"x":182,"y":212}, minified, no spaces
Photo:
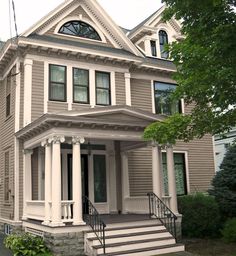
{"x":56,"y":224}
{"x":46,"y":223}
{"x":79,"y":223}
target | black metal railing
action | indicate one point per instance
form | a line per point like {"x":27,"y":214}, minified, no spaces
{"x":161,"y":211}
{"x":93,"y":219}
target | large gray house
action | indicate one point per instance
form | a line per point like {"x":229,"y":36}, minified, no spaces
{"x":76,"y":93}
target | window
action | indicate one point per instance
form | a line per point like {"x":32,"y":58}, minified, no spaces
{"x":8,"y":96}
{"x":100,"y":184}
{"x":163,"y":103}
{"x":6,"y":177}
{"x":163,"y":39}
{"x":153,"y":48}
{"x":81,"y":85}
{"x":57,"y":83}
{"x":103,"y":90}
{"x":79,"y":29}
{"x":180,"y":173}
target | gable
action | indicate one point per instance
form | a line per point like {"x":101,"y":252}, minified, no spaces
{"x":90,"y":12}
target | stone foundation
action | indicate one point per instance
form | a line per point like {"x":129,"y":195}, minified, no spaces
{"x":66,"y":244}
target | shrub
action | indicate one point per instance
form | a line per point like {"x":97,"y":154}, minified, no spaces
{"x":26,"y":245}
{"x":201,"y":216}
{"x":229,"y":231}
{"x":224,"y":185}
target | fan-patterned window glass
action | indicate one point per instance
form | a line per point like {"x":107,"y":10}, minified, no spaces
{"x":180,"y":173}
{"x":79,"y":29}
{"x":163,"y":39}
{"x":81,"y":85}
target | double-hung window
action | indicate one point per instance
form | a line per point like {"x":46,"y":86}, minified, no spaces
{"x":6,"y":177}
{"x":163,"y":39}
{"x":153,"y":48}
{"x":103,"y":88}
{"x":81,"y":85}
{"x":163,"y":103}
{"x":57,"y":83}
{"x":8,"y":96}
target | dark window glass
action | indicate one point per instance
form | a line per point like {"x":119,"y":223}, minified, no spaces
{"x":81,"y":85}
{"x":6,"y":177}
{"x":103,"y":90}
{"x":163,"y":39}
{"x":57,"y":83}
{"x":163,"y":103}
{"x":79,"y":29}
{"x":8,"y":105}
{"x":180,"y":173}
{"x":100,"y":184}
{"x":153,"y":48}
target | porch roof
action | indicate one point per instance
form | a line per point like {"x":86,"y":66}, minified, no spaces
{"x":119,"y":118}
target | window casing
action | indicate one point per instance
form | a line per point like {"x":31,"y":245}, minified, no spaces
{"x":163,"y":103}
{"x":163,"y":40}
{"x":103,"y":88}
{"x":80,"y":86}
{"x":153,"y":48}
{"x":180,"y":173}
{"x":8,"y":97}
{"x":6,"y":177}
{"x":57,"y":83}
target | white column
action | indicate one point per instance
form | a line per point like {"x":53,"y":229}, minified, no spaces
{"x":48,"y":181}
{"x":156,"y":170}
{"x":27,"y":90}
{"x":27,"y":183}
{"x":127,"y":89}
{"x":125,"y":178}
{"x":77,"y":181}
{"x":171,"y":179}
{"x":56,"y":183}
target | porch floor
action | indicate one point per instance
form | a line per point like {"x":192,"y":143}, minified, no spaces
{"x":120,"y":218}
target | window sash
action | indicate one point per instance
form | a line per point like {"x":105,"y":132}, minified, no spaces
{"x":153,"y":48}
{"x":57,"y":88}
{"x":77,"y":86}
{"x":103,"y":90}
{"x":8,"y":105}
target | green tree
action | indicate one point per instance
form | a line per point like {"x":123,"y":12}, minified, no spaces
{"x":224,"y":185}
{"x":206,"y":70}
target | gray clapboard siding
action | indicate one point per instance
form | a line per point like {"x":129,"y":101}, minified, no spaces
{"x":57,"y":107}
{"x":120,"y":88}
{"x":141,"y":94}
{"x":80,"y":107}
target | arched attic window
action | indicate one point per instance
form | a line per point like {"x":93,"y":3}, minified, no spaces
{"x":79,"y":29}
{"x":163,"y":39}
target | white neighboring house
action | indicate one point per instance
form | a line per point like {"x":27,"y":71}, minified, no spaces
{"x":222,"y":145}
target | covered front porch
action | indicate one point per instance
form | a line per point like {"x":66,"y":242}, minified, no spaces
{"x":86,"y":154}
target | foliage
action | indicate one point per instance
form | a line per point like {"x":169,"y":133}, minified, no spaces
{"x":229,"y":231}
{"x":201,"y":216}
{"x":205,"y":59}
{"x":224,"y":185}
{"x":26,"y":245}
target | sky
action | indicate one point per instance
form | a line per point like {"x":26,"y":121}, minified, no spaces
{"x":126,"y":13}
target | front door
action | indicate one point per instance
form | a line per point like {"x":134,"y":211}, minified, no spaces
{"x":84,"y":169}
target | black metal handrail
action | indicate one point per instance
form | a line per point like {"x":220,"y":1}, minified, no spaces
{"x":161,"y":211}
{"x":93,"y":219}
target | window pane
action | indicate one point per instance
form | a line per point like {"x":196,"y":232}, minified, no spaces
{"x":81,"y":94}
{"x":100,"y":190}
{"x":8,"y":105}
{"x":57,"y":92}
{"x":81,"y":77}
{"x":103,"y":97}
{"x":153,"y":48}
{"x":103,"y":80}
{"x":57,"y":74}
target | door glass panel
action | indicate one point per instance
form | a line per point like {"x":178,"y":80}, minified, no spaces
{"x":100,"y":191}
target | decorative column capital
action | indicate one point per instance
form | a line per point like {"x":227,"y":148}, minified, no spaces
{"x":28,"y":62}
{"x":127,"y":75}
{"x":28,"y":151}
{"x":77,"y":140}
{"x":169,"y":146}
{"x":45,"y":143}
{"x":56,"y":139}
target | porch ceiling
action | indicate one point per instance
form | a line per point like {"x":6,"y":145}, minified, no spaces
{"x":112,"y":118}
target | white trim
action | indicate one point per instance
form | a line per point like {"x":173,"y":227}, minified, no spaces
{"x":153,"y":97}
{"x":6,"y":72}
{"x":27,"y":90}
{"x":92,"y":88}
{"x":69,"y":86}
{"x":17,"y":97}
{"x":182,"y":106}
{"x":113,"y":88}
{"x":127,"y":89}
{"x":16,"y":181}
{"x":10,"y":222}
{"x":46,"y":81}
{"x":67,"y":19}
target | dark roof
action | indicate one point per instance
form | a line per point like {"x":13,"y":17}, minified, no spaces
{"x":89,"y":46}
{"x":125,"y":30}
{"x":160,"y":63}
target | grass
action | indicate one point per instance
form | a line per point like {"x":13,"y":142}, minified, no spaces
{"x":209,"y":247}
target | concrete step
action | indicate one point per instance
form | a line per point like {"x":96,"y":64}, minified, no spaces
{"x":150,"y":251}
{"x":126,"y":246}
{"x":134,"y":223}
